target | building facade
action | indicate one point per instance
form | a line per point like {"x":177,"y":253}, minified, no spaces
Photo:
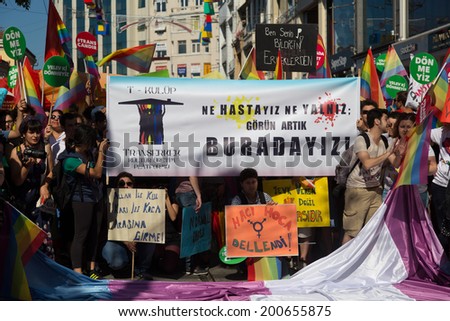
{"x":173,"y":25}
{"x":348,"y":28}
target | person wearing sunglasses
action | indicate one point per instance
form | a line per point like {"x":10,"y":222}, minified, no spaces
{"x":365,"y":106}
{"x":117,"y":254}
{"x":54,"y":134}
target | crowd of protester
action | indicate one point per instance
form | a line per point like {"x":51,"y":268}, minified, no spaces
{"x":77,"y":234}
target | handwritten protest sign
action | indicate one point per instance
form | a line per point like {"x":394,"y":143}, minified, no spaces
{"x":196,"y":230}
{"x":136,"y":215}
{"x":261,"y":230}
{"x":313,"y":209}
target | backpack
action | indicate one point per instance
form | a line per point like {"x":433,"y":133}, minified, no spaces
{"x":61,"y":190}
{"x":349,"y":161}
{"x":63,"y":185}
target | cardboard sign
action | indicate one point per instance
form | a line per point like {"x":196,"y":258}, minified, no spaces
{"x":261,"y":230}
{"x":12,"y":76}
{"x":87,"y":43}
{"x":196,"y":230}
{"x":312,"y":205}
{"x":137,"y":215}
{"x":56,"y":71}
{"x":14,"y":43}
{"x":297,"y":43}
{"x":424,"y":68}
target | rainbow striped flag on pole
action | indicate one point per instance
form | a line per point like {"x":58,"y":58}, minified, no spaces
{"x":57,"y":35}
{"x":68,"y":96}
{"x":249,"y":71}
{"x":370,"y":85}
{"x":278,"y":73}
{"x":323,"y":71}
{"x":138,"y":58}
{"x":32,"y":87}
{"x":414,"y":166}
{"x":392,"y":66}
{"x":19,"y":240}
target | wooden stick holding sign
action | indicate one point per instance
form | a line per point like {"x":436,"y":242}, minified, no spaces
{"x":136,"y":215}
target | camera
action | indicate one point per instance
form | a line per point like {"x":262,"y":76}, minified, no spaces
{"x":33,"y":153}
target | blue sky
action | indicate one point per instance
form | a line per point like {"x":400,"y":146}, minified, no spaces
{"x":32,"y":23}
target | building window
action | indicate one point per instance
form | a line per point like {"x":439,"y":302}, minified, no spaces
{"x":198,"y":2}
{"x":141,"y":42}
{"x":195,"y":46}
{"x":161,"y":5}
{"x":141,"y":4}
{"x":184,"y":3}
{"x":182,"y":46}
{"x":161,"y":53}
{"x":206,"y":48}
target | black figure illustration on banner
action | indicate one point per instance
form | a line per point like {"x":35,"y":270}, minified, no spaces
{"x":151,"y":112}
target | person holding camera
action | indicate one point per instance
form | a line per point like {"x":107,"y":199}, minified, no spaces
{"x":29,"y":163}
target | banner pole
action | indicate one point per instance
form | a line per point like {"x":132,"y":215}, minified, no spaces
{"x":132,"y":265}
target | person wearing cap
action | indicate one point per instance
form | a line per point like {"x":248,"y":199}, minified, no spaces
{"x":249,"y":194}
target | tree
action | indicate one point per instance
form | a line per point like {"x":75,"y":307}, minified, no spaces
{"x":20,"y":3}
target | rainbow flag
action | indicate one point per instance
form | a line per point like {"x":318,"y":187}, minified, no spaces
{"x":440,"y":88}
{"x":32,"y":87}
{"x":91,"y":67}
{"x":138,"y":58}
{"x":370,"y":85}
{"x":19,"y":240}
{"x":57,"y":35}
{"x":249,"y":71}
{"x":392,"y":66}
{"x":414,"y":166}
{"x":278,"y":73}
{"x":323,"y":71}
{"x":67,"y":96}
{"x":264,"y":269}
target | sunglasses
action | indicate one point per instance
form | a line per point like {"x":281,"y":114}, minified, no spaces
{"x":365,"y":112}
{"x":122,"y":184}
{"x":54,"y":117}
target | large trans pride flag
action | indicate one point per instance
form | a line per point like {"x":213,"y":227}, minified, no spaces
{"x":396,"y":256}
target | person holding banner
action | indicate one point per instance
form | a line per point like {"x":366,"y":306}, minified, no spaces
{"x":117,"y":253}
{"x":188,"y":194}
{"x":249,"y":194}
{"x":168,"y":254}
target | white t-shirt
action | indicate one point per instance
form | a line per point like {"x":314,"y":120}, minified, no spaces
{"x":57,"y":145}
{"x":441,"y":136}
{"x":360,"y":177}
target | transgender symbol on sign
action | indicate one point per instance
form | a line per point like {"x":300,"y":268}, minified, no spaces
{"x":151,"y":112}
{"x":257,"y":227}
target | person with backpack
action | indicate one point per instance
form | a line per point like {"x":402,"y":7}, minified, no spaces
{"x":363,"y":189}
{"x":83,"y":172}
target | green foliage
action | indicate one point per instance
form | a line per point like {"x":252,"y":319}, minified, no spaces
{"x":20,"y":3}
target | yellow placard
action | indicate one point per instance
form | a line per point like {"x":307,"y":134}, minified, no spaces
{"x":261,"y":230}
{"x":313,"y":209}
